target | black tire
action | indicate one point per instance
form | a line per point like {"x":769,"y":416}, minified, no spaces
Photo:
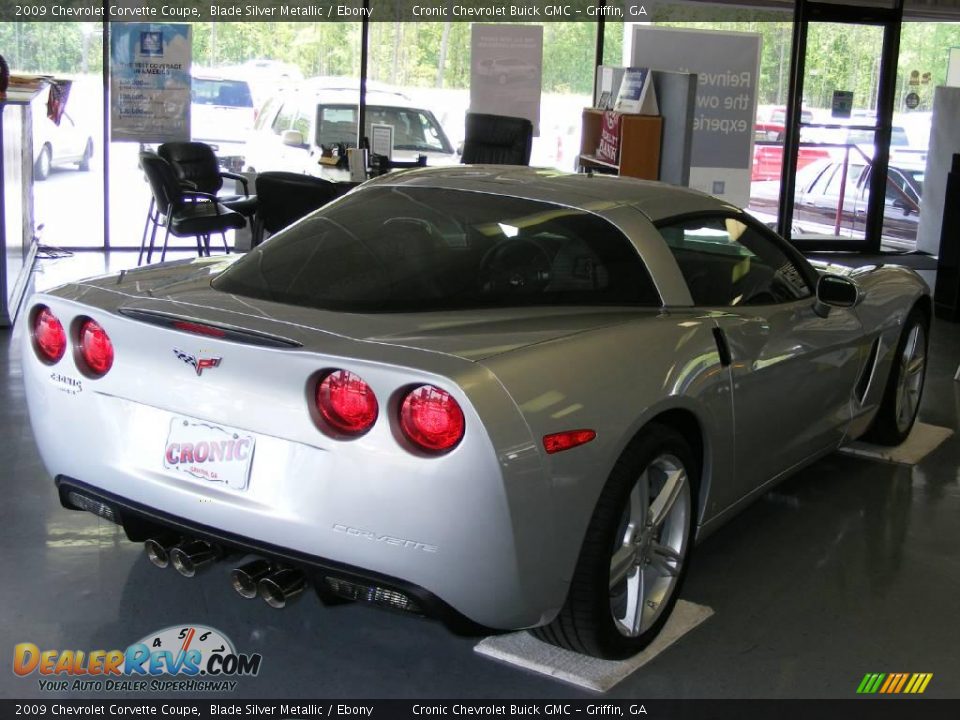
{"x":41,"y":168}
{"x":586,"y":623}
{"x":84,"y":164}
{"x":886,"y":429}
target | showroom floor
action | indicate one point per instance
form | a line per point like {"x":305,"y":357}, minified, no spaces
{"x":848,"y":568}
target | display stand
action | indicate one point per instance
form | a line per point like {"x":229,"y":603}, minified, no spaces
{"x":18,"y":246}
{"x":639,"y":145}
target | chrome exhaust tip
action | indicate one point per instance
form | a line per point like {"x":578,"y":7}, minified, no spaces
{"x":246,"y":578}
{"x":193,"y":555}
{"x":282,"y":586}
{"x":158,"y":549}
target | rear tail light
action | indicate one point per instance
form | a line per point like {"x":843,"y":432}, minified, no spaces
{"x":95,"y":347}
{"x":431,"y":419}
{"x":49,"y":338}
{"x":347,"y":403}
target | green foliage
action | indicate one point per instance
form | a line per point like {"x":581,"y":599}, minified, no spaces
{"x":52,"y":47}
{"x":437,"y":54}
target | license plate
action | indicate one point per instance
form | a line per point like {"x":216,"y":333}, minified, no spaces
{"x":209,"y":453}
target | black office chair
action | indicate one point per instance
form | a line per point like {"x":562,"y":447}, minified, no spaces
{"x":183,"y":212}
{"x":196,"y":166}
{"x":497,"y":140}
{"x":285,"y":197}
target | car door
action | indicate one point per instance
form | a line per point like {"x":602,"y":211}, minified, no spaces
{"x":70,"y":145}
{"x":792,"y":370}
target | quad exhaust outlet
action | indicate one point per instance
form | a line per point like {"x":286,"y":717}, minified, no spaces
{"x":280,"y":587}
{"x":190,"y":556}
{"x":246,"y":578}
{"x":158,"y":549}
{"x":277,"y":584}
{"x":186,"y":555}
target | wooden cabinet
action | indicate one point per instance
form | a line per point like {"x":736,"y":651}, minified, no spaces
{"x":639,"y":145}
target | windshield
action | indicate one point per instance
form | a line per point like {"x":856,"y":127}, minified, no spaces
{"x":413,"y":130}
{"x":231,"y":93}
{"x":428,"y":249}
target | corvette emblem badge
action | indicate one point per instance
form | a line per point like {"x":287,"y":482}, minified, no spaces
{"x":197,"y":363}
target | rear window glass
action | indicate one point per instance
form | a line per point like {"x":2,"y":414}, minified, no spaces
{"x":429,"y":249}
{"x":230,"y":93}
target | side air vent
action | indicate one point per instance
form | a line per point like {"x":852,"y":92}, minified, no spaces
{"x":201,"y":327}
{"x":869,"y":369}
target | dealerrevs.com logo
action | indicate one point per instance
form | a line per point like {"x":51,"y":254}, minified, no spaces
{"x":180,"y":658}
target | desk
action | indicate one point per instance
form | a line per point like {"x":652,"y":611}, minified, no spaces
{"x":17,"y":243}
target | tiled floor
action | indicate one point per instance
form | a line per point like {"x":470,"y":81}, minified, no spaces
{"x":850,"y":567}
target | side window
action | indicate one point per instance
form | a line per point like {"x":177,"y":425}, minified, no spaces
{"x":306,"y":112}
{"x":728,"y":263}
{"x":853,"y":179}
{"x":337,"y":124}
{"x":282,"y":122}
{"x":266,"y":114}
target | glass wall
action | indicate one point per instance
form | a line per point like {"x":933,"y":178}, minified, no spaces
{"x":68,"y":173}
{"x":922,"y":66}
{"x":277,"y":96}
{"x":418,"y":82}
{"x":253,"y":83}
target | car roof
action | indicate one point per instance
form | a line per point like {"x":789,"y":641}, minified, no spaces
{"x":586,"y":191}
{"x":223,"y":74}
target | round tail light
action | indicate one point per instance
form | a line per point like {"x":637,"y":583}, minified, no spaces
{"x":347,"y":403}
{"x":95,"y":347}
{"x":49,"y":338}
{"x":431,"y":419}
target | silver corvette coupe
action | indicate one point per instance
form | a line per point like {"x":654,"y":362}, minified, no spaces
{"x":508,"y":396}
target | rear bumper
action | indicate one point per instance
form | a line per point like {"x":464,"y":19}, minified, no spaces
{"x":140,"y":523}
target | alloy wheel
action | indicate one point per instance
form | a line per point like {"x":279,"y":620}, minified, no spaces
{"x":913,"y":365}
{"x":651,"y":547}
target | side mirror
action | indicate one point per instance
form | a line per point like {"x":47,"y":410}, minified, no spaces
{"x":292,"y":138}
{"x":835,"y":291}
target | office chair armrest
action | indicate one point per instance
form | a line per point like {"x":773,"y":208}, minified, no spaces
{"x":237,"y":176}
{"x":197,"y":195}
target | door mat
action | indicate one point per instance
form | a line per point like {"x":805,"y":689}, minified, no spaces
{"x":921,"y":441}
{"x":523,"y":650}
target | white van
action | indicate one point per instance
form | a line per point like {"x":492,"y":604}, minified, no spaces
{"x":294,"y":125}
{"x":222,"y":115}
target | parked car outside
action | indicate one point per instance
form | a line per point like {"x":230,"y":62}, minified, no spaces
{"x":59,"y":145}
{"x":222,"y":114}
{"x":818,"y":197}
{"x":294,"y":125}
{"x":769,"y":132}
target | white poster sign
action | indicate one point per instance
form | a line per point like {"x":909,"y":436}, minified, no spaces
{"x":727,"y":65}
{"x":953,"y":68}
{"x":381,"y":140}
{"x":505,"y":71}
{"x":150,"y":82}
